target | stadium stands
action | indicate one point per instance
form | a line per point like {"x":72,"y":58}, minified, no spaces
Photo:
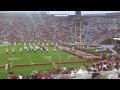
{"x":96,"y":29}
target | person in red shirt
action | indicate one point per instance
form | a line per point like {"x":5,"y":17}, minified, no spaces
{"x":58,"y":70}
{"x":48,"y":76}
{"x":12,"y":76}
{"x":38,"y":75}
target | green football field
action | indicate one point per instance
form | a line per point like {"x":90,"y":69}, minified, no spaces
{"x":34,"y":58}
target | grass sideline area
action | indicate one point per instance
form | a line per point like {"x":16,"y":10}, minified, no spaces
{"x":36,"y":58}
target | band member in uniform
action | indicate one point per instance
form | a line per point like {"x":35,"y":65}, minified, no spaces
{"x":61,"y":48}
{"x":34,"y":49}
{"x":73,"y":49}
{"x":41,"y":49}
{"x":54,"y":49}
{"x":27,"y":50}
{"x":6,"y":51}
{"x":47,"y":49}
{"x":67,"y":49}
{"x":21,"y":50}
{"x":6,"y":68}
{"x":13,"y":51}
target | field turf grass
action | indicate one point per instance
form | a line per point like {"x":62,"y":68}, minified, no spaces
{"x":36,"y":58}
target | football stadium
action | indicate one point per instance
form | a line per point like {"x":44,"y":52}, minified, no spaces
{"x":59,"y":46}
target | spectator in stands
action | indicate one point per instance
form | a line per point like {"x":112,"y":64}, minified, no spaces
{"x":95,"y":74}
{"x":12,"y":76}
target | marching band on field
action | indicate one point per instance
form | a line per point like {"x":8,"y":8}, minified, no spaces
{"x":35,"y":48}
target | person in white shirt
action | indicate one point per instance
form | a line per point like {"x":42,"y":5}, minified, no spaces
{"x":19,"y":44}
{"x":14,"y":44}
{"x":72,"y":74}
{"x":73,"y":49}
{"x":21,"y":50}
{"x":61,"y":48}
{"x":104,"y":67}
{"x":13,"y":50}
{"x":9,"y":44}
{"x":38,"y":43}
{"x":43,"y":44}
{"x":31,"y":47}
{"x":20,"y":77}
{"x":52,"y":44}
{"x":6,"y":51}
{"x":27,"y":50}
{"x":41,"y":49}
{"x":47,"y":49}
{"x":33,"y":43}
{"x":56,"y":44}
{"x":34,"y":49}
{"x":47,"y":44}
{"x":67,"y":49}
{"x":64,"y":68}
{"x":54,"y":49}
{"x":24,"y":44}
{"x":29,"y":44}
{"x":6,"y":68}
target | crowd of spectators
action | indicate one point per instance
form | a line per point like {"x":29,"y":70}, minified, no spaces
{"x":106,"y":69}
{"x":35,"y":28}
{"x":30,"y":28}
{"x":101,"y":28}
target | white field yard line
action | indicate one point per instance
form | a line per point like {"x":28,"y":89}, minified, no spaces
{"x":13,"y":57}
{"x":29,"y":58}
{"x":43,"y":55}
{"x":62,"y":53}
{"x":69,"y":55}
